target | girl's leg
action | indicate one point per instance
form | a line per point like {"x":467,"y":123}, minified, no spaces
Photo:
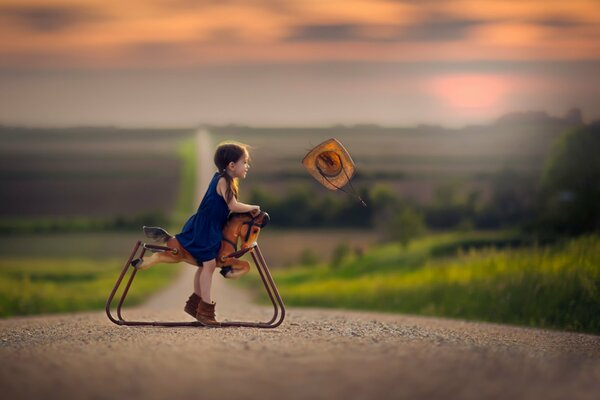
{"x":191,"y":305}
{"x":197,"y":281}
{"x":206,"y":279}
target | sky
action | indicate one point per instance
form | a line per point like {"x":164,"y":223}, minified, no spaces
{"x":182,"y":63}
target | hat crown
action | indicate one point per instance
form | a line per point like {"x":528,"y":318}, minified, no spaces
{"x":329,"y":163}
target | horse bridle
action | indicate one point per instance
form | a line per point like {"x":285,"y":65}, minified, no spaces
{"x":250,"y":224}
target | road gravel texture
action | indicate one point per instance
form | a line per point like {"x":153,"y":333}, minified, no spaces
{"x":322,"y":354}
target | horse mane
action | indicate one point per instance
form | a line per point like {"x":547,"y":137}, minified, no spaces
{"x":233,"y":215}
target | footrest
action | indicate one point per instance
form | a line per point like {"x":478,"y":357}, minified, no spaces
{"x":239,"y":253}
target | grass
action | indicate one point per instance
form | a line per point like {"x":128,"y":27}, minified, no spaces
{"x":46,"y":285}
{"x":186,"y":151}
{"x":473,"y":276}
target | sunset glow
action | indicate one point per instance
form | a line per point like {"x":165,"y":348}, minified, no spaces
{"x":466,"y":57}
{"x":479,"y":92}
{"x":43,"y":29}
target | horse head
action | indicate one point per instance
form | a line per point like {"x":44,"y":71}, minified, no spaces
{"x":245,"y":227}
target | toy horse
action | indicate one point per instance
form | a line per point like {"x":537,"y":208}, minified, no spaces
{"x":239,"y":225}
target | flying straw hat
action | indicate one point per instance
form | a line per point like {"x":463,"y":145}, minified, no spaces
{"x":330,"y":164}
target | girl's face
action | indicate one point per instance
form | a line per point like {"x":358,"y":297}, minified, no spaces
{"x":240,"y":168}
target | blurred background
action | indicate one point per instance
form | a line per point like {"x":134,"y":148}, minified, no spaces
{"x":474,"y":127}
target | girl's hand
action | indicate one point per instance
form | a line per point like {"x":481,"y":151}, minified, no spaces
{"x":255,"y":211}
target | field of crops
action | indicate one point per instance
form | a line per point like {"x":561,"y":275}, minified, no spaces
{"x":462,"y":276}
{"x":30,"y":285}
{"x":88,"y":172}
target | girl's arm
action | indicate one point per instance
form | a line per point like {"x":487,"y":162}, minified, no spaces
{"x":238,"y":207}
{"x":233,"y":204}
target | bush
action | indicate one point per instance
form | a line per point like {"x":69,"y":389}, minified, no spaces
{"x":340,"y":253}
{"x":406,"y":224}
{"x":307,"y":257}
{"x":570,"y":196}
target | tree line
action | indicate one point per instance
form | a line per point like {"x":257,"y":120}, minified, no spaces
{"x":564,"y":200}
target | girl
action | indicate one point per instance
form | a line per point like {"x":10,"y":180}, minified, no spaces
{"x":200,"y":237}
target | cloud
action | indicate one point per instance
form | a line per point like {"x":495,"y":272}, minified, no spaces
{"x":431,"y":30}
{"x":274,"y":6}
{"x":558,"y":22}
{"x":49,"y":18}
{"x":147,"y":50}
{"x":440,"y":29}
{"x":160,"y":33}
{"x":324,"y":33}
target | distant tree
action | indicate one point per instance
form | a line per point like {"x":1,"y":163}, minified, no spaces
{"x":328,"y":210}
{"x":308,"y":257}
{"x":574,"y":116}
{"x":449,"y":207}
{"x":340,"y":253}
{"x":447,"y":194}
{"x":570,"y":192}
{"x":383,"y":196}
{"x":298,"y":208}
{"x":263,"y":198}
{"x":511,"y":200}
{"x":406,"y":225}
{"x":383,"y":202}
{"x":353,"y":213}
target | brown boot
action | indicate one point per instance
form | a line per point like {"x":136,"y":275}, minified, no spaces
{"x":191,"y":305}
{"x":206,"y":314}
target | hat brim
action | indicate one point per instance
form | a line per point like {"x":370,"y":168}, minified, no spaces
{"x":347,"y":165}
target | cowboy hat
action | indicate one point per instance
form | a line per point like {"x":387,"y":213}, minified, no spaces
{"x":330,"y":164}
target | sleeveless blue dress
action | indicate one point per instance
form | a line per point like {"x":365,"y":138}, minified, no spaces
{"x":202,"y":233}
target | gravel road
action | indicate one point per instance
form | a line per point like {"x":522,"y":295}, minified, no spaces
{"x":326,"y":354}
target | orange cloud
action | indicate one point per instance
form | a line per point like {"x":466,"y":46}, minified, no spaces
{"x":355,"y":11}
{"x":524,"y":10}
{"x":148,"y":33}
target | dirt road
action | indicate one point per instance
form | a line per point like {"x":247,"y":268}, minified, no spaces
{"x":325,"y":354}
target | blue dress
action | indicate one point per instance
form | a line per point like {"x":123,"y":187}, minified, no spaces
{"x":202,"y":233}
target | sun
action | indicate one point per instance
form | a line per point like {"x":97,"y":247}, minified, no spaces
{"x":469,"y":91}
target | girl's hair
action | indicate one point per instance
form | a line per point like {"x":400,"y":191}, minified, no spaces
{"x":230,"y":152}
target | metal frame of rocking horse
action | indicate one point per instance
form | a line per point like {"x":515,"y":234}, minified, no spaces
{"x":261,"y":266}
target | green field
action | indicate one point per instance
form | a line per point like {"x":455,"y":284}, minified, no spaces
{"x":466,"y":276}
{"x":47,"y":285}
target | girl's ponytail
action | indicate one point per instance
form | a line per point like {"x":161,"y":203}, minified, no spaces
{"x":229,"y":152}
{"x":232,"y":185}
